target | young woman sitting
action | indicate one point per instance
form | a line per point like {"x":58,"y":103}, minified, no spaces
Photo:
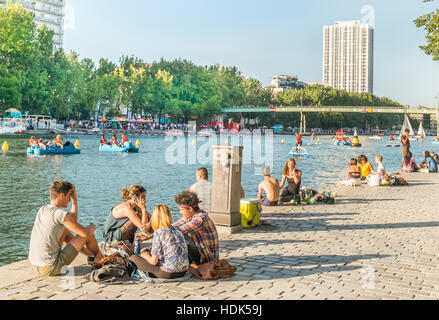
{"x":126,"y":218}
{"x":353,"y":174}
{"x":366,"y":167}
{"x":168,"y":256}
{"x":408,"y":163}
{"x":293,"y":177}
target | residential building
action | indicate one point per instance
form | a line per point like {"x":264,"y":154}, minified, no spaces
{"x":47,"y":12}
{"x":284,"y":83}
{"x":348,"y":56}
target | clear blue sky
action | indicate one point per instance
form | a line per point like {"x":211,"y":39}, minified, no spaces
{"x":262,"y":38}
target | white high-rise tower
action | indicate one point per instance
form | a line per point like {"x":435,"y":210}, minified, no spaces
{"x":348,"y":56}
{"x":47,"y":12}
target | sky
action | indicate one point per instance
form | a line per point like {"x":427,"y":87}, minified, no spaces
{"x":261,"y":38}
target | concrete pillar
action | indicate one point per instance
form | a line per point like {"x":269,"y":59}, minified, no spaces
{"x":226,"y":189}
{"x":304,"y":123}
{"x":301,"y":123}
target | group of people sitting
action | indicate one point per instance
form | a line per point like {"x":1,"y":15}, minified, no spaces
{"x":274,"y":192}
{"x":428,"y":165}
{"x":361,"y":169}
{"x":192,"y":240}
{"x":114,"y":140}
{"x":57,"y":142}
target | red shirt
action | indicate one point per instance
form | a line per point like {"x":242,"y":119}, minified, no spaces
{"x":124,"y":139}
{"x":299,"y":138}
{"x":103,"y":140}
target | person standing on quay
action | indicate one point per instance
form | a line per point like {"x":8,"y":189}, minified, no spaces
{"x":405,"y":143}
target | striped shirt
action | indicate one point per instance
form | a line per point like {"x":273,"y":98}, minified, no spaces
{"x":203,"y":231}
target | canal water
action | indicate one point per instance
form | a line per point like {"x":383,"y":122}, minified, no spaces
{"x":164,"y":166}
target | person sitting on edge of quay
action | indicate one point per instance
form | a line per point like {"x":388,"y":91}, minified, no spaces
{"x":429,"y":165}
{"x":435,"y":157}
{"x":203,"y":189}
{"x":294,"y":178}
{"x":365,"y":166}
{"x":198,"y":229}
{"x":353,"y":174}
{"x":271,"y":188}
{"x":168,"y":256}
{"x":53,"y":228}
{"x":408,"y":163}
{"x":381,"y":169}
{"x":125,"y":218}
{"x":114,"y":140}
{"x":405,"y":142}
{"x":59,"y":142}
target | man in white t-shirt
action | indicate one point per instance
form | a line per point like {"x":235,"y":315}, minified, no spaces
{"x":54,"y":228}
{"x":203,"y":189}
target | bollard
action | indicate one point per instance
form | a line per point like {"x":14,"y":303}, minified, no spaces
{"x":226,"y":189}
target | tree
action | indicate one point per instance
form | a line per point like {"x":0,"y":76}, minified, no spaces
{"x":430,"y":22}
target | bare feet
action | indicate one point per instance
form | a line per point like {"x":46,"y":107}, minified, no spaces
{"x":98,"y":259}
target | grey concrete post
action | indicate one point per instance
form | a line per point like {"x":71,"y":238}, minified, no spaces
{"x":226,"y":188}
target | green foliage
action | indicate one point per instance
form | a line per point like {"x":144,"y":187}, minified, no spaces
{"x":37,"y":79}
{"x":430,"y":22}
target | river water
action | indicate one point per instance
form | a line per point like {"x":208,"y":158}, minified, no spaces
{"x":164,"y":166}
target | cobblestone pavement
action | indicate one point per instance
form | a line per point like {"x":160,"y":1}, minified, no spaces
{"x":376,"y":243}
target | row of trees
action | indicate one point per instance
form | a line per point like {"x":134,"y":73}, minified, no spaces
{"x":37,"y":79}
{"x":321,"y":96}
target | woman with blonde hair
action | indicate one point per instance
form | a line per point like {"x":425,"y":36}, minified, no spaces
{"x":168,"y":256}
{"x":293,"y":177}
{"x":126,"y":218}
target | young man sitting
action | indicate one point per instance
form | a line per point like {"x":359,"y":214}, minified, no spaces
{"x":53,"y":228}
{"x":271,"y":187}
{"x":198,"y":229}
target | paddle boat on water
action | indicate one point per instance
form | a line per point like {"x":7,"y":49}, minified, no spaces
{"x":393,"y":144}
{"x":127,"y":147}
{"x":341,"y":139}
{"x":52,"y":150}
{"x":299,"y":153}
{"x":435,"y":140}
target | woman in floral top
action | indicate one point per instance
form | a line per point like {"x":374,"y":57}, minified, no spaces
{"x":168,"y":256}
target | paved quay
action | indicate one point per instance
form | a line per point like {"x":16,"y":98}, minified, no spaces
{"x":375,"y":243}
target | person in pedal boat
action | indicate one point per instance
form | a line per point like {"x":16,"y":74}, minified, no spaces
{"x":114,"y":140}
{"x":103,"y":140}
{"x":33,"y":142}
{"x":124,"y":139}
{"x":59,"y":142}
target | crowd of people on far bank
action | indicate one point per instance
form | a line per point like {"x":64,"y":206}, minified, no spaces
{"x":57,"y":237}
